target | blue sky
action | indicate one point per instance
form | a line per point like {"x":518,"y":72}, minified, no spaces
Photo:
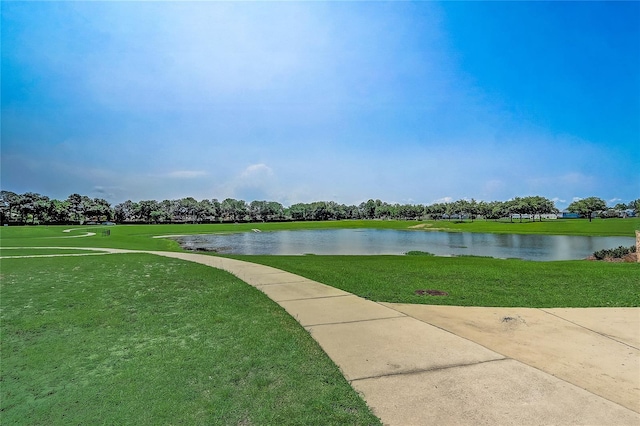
{"x":408,"y":102}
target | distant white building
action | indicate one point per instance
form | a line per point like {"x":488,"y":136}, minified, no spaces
{"x":628,"y":213}
{"x":535,"y":216}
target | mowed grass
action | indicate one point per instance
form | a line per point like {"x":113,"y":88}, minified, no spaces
{"x":470,"y":281}
{"x":5,"y":252}
{"x":597,"y":227}
{"x":140,"y":339}
{"x":140,"y":237}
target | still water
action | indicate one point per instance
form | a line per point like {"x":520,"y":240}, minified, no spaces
{"x":376,"y":241}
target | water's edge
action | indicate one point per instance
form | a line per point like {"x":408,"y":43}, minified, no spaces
{"x":398,"y":242}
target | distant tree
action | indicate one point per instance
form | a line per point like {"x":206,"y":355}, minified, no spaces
{"x":274,"y":211}
{"x":352,"y":212}
{"x":520,"y":206}
{"x":58,"y":211}
{"x":8,"y":203}
{"x":77,"y":206}
{"x":299,"y":211}
{"x":620,"y":207}
{"x":368,"y":209}
{"x":32,"y":207}
{"x":188,"y":209}
{"x":125,"y":212}
{"x":473,"y":208}
{"x":168,"y":210}
{"x":436,"y":211}
{"x":319,"y":211}
{"x":460,"y":208}
{"x":484,"y":209}
{"x":499,"y":209}
{"x":409,"y":211}
{"x":35,"y":208}
{"x":41,"y":214}
{"x":217,"y":209}
{"x":207,"y":211}
{"x":257,"y":210}
{"x":538,"y":206}
{"x":587,"y":206}
{"x":234,"y":210}
{"x":98,"y":209}
{"x":334,"y":210}
{"x":450,"y":210}
{"x":464,"y":208}
{"x":384,"y":210}
{"x":148,"y":211}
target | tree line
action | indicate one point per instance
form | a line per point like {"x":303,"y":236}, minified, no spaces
{"x":33,"y":208}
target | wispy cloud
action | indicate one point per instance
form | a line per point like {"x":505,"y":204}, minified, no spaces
{"x":301,"y":101}
{"x":108,"y":193}
{"x":256,"y":172}
{"x":254,"y":182}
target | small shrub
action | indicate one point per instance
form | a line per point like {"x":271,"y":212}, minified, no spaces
{"x":419,"y":253}
{"x":615,"y":253}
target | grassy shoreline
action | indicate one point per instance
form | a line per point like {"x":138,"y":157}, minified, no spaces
{"x":139,"y":237}
{"x":470,"y":281}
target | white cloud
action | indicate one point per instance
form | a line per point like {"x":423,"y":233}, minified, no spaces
{"x":290,"y":102}
{"x":256,"y":171}
{"x":443,"y":200}
{"x":254,"y":182}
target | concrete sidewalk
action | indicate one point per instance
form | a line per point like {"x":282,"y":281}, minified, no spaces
{"x":419,"y":364}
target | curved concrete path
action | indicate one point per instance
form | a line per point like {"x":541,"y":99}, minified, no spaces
{"x":419,"y":364}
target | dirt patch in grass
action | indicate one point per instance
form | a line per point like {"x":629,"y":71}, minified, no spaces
{"x":429,"y":227}
{"x":431,"y":292}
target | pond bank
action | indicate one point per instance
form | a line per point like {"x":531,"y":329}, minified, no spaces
{"x":397,"y":242}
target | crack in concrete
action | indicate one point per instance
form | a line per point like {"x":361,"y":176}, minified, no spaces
{"x":428,"y":370}
{"x":590,"y":329}
{"x":304,"y":298}
{"x":357,"y":321}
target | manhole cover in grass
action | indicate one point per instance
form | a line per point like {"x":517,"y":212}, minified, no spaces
{"x":431,"y":292}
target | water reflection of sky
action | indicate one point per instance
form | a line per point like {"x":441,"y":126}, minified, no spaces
{"x":374,"y":241}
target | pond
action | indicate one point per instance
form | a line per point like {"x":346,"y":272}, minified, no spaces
{"x":375,"y":241}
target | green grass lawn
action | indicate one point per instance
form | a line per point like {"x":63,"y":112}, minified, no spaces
{"x":5,"y":252}
{"x":470,"y":281}
{"x":141,"y":339}
{"x":598,"y":227}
